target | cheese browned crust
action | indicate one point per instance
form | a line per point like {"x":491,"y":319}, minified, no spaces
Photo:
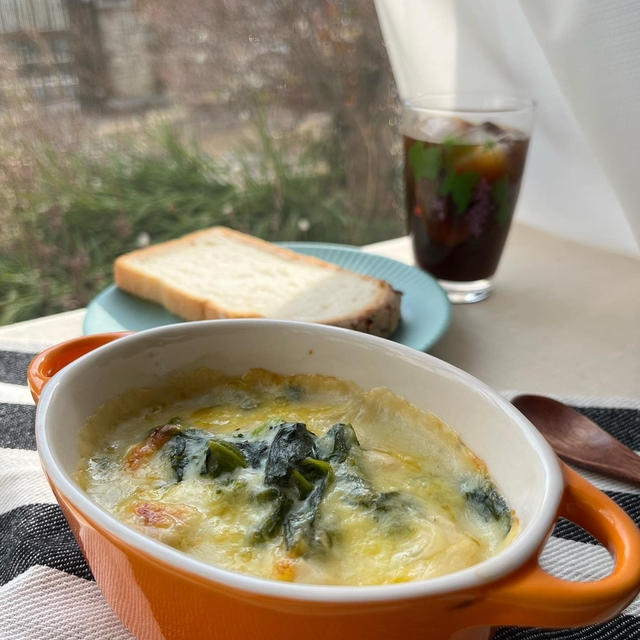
{"x":304,"y":478}
{"x":221,"y":273}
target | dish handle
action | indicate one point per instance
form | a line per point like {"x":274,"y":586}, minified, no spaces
{"x":533,"y":597}
{"x":47,"y":363}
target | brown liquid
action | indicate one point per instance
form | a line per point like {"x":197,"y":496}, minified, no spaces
{"x":460,"y":202}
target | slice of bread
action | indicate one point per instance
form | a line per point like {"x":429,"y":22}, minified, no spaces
{"x":220,"y":273}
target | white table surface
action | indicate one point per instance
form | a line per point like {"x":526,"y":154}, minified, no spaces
{"x":564,"y":319}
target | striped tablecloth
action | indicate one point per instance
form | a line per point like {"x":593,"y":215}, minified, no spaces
{"x":47,"y":590}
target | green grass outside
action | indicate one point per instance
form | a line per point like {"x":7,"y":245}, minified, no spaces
{"x":63,"y":229}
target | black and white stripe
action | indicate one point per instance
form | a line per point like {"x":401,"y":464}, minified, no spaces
{"x":47,"y":590}
{"x":13,"y":366}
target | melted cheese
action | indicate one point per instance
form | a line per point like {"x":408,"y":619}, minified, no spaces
{"x":437,"y":519}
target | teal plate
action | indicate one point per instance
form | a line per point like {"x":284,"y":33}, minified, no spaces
{"x":426,"y":311}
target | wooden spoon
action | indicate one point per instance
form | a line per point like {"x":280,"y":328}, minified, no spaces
{"x":577,"y":439}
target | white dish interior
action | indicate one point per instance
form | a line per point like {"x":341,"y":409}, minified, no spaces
{"x":523,"y":466}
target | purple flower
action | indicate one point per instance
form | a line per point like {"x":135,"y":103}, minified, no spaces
{"x":439,"y":210}
{"x":480,"y":208}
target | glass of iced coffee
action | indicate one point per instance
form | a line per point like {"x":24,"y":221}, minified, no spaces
{"x":464,"y":159}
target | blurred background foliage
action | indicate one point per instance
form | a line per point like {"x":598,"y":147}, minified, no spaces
{"x":274,"y":118}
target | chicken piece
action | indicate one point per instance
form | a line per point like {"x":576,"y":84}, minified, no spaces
{"x":139,"y":454}
{"x":170,"y":523}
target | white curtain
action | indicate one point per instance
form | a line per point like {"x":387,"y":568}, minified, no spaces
{"x":580,"y":61}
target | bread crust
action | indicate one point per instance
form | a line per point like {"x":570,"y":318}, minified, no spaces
{"x":380,"y":318}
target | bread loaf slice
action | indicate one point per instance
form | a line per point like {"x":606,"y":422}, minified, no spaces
{"x":220,"y":273}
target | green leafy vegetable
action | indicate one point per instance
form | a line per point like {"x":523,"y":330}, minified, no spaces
{"x":299,"y":534}
{"x":291,"y":444}
{"x":460,"y":187}
{"x":304,"y":486}
{"x":272,"y":524}
{"x":358,"y":490}
{"x":253,"y":450}
{"x":269,"y":425}
{"x":185,"y":449}
{"x":425,"y":161}
{"x":299,"y":467}
{"x":488,"y":503}
{"x":292,"y":465}
{"x":268,"y":495}
{"x":223,"y":457}
{"x":501,"y":197}
{"x":337,"y":442}
{"x":315,"y":468}
{"x":389,"y":508}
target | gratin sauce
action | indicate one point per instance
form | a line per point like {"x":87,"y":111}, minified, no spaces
{"x":302,"y":478}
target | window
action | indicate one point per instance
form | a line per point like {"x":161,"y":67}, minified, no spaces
{"x":153,"y":119}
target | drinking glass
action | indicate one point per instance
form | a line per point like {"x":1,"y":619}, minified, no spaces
{"x":464,"y":159}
